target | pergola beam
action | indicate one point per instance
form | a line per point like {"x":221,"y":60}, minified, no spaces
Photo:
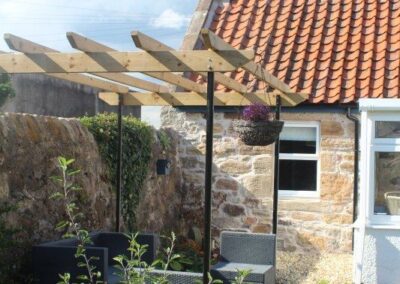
{"x":148,"y":43}
{"x":26,"y":46}
{"x":215,"y":43}
{"x":88,"y":45}
{"x":103,"y":62}
{"x":190,"y":99}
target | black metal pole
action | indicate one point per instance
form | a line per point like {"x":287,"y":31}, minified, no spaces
{"x":208,"y":176}
{"x":119,"y":167}
{"x":276,"y":172}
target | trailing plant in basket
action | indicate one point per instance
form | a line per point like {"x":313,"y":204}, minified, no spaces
{"x":257,"y":126}
{"x":137,"y":140}
{"x":257,"y":112}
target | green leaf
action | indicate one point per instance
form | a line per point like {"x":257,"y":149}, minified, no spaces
{"x":175,"y":265}
{"x":82,"y":277}
{"x":62,"y":225}
{"x":56,"y":195}
{"x":73,"y":172}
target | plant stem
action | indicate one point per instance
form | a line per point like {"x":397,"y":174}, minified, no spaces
{"x":75,"y":227}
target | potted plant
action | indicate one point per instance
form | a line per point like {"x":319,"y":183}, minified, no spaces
{"x":258,"y":126}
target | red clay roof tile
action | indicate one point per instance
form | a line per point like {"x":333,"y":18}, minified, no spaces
{"x":338,"y":51}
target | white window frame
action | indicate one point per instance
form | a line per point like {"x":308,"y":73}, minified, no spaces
{"x":378,"y":145}
{"x":305,"y":157}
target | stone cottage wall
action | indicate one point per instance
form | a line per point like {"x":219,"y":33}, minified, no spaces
{"x":243,"y":182}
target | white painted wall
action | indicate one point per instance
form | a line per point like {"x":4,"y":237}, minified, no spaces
{"x":377,"y":238}
{"x":381,"y":259}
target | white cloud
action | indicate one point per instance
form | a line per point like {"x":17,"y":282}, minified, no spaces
{"x":170,"y":19}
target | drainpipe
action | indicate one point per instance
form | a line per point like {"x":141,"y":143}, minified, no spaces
{"x":356,"y":155}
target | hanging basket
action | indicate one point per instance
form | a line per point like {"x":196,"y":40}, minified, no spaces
{"x":259,"y":133}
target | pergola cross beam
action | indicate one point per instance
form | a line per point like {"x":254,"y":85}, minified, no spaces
{"x":115,"y":62}
{"x":190,"y":98}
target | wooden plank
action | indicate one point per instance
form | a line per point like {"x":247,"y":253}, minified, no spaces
{"x":88,"y":45}
{"x":190,"y":99}
{"x":26,"y":46}
{"x":103,"y":62}
{"x":214,"y":42}
{"x":148,"y":43}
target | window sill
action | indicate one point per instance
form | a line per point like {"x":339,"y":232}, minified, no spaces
{"x":376,"y":225}
{"x":298,"y":195}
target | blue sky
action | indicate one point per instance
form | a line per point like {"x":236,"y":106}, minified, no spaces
{"x":107,"y":21}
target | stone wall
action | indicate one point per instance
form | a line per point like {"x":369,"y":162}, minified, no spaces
{"x":243,"y":182}
{"x":159,"y":208}
{"x":29,"y":147}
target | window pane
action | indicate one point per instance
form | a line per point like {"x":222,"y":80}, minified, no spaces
{"x":300,"y":140}
{"x":298,"y":175}
{"x":387,"y":183}
{"x":387,"y":129}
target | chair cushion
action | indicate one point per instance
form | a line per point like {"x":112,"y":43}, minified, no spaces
{"x":228,"y":271}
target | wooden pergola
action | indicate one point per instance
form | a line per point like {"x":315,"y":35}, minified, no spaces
{"x":106,"y":69}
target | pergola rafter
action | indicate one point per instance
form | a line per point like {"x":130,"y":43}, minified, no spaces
{"x":88,"y":45}
{"x":23,"y":45}
{"x":213,"y":42}
{"x":109,"y":67}
{"x":148,"y":43}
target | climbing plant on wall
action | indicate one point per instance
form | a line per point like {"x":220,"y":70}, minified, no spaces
{"x":6,"y":89}
{"x":137,"y":142}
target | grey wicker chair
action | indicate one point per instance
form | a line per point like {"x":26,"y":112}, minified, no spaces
{"x":246,"y":251}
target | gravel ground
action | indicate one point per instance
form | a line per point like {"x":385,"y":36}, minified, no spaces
{"x":324,"y":268}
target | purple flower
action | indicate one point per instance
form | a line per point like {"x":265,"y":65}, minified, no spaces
{"x":257,"y":112}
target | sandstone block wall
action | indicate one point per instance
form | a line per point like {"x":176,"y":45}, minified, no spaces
{"x":29,"y":147}
{"x":243,"y":182}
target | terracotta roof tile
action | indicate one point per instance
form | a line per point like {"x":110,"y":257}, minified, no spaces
{"x":336,"y":50}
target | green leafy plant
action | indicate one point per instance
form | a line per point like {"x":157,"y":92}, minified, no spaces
{"x":71,"y":224}
{"x":137,"y":141}
{"x":6,"y":90}
{"x":241,"y":276}
{"x":164,"y":139}
{"x":133,"y":270}
{"x":210,"y":280}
